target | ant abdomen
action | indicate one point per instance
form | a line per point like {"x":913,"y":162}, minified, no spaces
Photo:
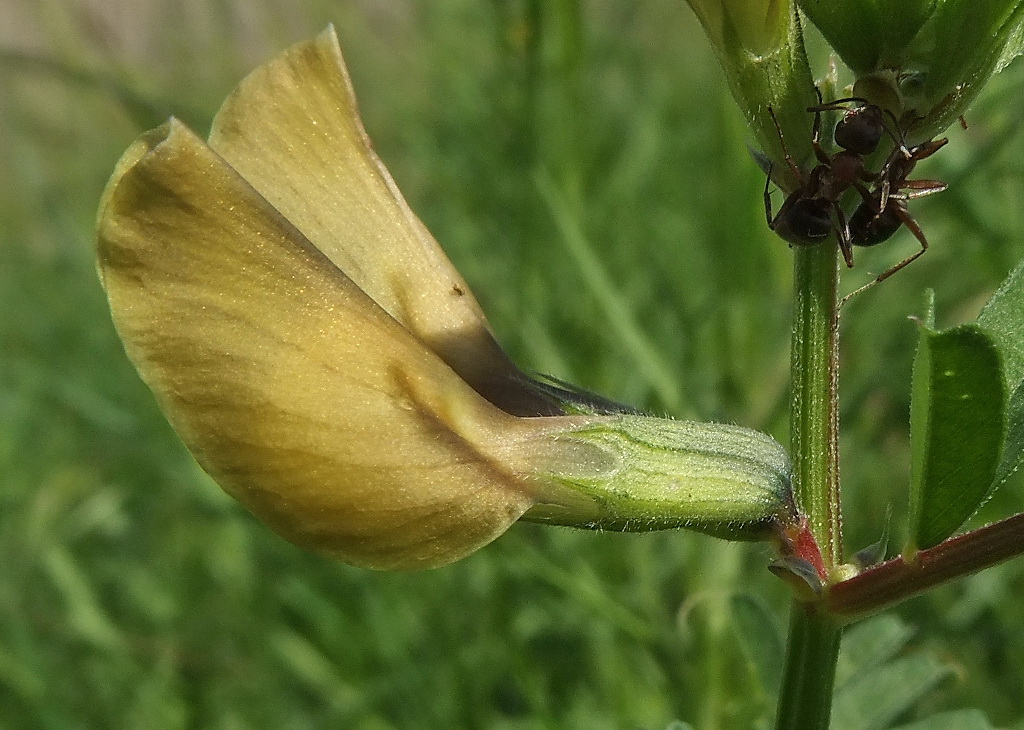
{"x":807,"y":222}
{"x":869,"y":227}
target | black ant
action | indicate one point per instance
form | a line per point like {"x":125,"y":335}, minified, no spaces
{"x":878,"y":219}
{"x":812,"y":211}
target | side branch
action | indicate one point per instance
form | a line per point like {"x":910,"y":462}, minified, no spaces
{"x":896,"y":580}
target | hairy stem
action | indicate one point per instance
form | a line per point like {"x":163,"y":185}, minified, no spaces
{"x":806,"y":700}
{"x":895,"y":580}
{"x":814,"y":420}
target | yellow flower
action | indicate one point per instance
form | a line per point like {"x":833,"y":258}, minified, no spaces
{"x":325,"y":363}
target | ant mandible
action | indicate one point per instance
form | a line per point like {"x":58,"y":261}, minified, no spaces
{"x":812,"y":211}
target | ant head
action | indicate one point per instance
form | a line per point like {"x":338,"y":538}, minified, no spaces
{"x":861,"y":129}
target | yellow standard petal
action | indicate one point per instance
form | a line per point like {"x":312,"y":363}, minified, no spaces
{"x":292,"y":130}
{"x":303,"y":398}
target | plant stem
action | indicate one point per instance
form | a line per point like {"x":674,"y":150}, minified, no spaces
{"x":895,"y":580}
{"x":806,"y":699}
{"x":814,"y":421}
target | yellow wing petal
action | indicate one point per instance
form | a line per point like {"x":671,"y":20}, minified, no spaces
{"x":297,"y":393}
{"x":292,"y":130}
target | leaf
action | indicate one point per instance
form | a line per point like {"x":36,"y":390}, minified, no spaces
{"x":870,"y":644}
{"x":873,"y":689}
{"x":957,"y":429}
{"x":1003,"y":317}
{"x":1014,"y":45}
{"x":760,"y":639}
{"x":876,"y":698}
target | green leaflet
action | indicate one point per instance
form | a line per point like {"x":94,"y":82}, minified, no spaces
{"x":938,"y":54}
{"x":957,"y":426}
{"x":1003,"y":317}
{"x":875,"y":699}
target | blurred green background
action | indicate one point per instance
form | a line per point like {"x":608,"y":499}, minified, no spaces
{"x":584,"y":167}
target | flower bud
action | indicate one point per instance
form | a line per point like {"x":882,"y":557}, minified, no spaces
{"x":755,"y":27}
{"x":759,"y":44}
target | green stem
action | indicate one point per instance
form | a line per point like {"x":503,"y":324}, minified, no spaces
{"x":814,"y":420}
{"x":813,"y":649}
{"x":806,"y":701}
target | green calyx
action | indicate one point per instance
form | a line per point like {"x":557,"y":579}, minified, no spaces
{"x":638,"y":473}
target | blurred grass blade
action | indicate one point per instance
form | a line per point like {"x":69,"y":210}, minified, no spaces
{"x":1003,"y":318}
{"x":86,"y":616}
{"x":955,"y":720}
{"x":310,"y":667}
{"x":957,"y":429}
{"x":622,"y":323}
{"x":145,"y":112}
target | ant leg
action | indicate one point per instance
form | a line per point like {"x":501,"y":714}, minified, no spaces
{"x":898,"y":140}
{"x":773,"y":221}
{"x":885,"y":189}
{"x":909,"y":222}
{"x":921,"y":188}
{"x":768,"y":196}
{"x":843,"y":234}
{"x":797,"y":175}
{"x":927,"y":149}
{"x":837,"y":104}
{"x":819,"y":152}
{"x":867,"y":196}
{"x":883,"y":194}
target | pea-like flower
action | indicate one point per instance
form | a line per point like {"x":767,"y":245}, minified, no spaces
{"x":328,"y":367}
